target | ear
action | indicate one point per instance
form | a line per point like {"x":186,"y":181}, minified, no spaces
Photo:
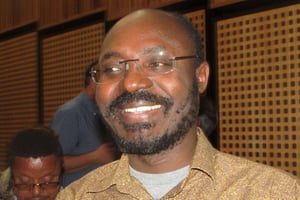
{"x":202,"y":73}
{"x":90,"y":90}
{"x":92,"y":83}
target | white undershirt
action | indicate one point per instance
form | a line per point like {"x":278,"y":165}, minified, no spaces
{"x":160,"y":184}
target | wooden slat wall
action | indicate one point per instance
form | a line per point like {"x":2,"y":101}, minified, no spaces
{"x":259,"y":84}
{"x":49,"y":13}
{"x":53,"y":12}
{"x":19,"y":88}
{"x":161,"y":3}
{"x":220,"y":3}
{"x":198,"y":19}
{"x":65,"y":58}
{"x":14,"y":13}
{"x":119,"y":8}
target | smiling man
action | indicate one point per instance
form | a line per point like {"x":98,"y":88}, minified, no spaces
{"x":150,"y":73}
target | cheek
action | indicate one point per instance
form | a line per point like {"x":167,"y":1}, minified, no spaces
{"x":105,"y":94}
{"x":22,"y":196}
{"x":175,"y":84}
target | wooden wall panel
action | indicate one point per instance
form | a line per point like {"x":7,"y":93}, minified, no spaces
{"x":198,"y":19}
{"x":65,"y":57}
{"x":259,"y":84}
{"x":119,"y":8}
{"x":161,"y":3}
{"x":220,"y":3}
{"x":85,"y":6}
{"x":6,"y":17}
{"x":19,"y":88}
{"x":15,"y":13}
{"x":51,"y":11}
{"x":54,"y":12}
{"x":26,"y":10}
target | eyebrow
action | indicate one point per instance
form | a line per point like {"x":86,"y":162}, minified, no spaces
{"x":49,"y":174}
{"x":147,"y":50}
{"x":153,"y":49}
{"x":111,"y":54}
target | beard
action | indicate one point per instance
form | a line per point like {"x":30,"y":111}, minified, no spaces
{"x":142,"y":145}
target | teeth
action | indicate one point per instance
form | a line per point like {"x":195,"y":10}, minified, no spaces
{"x":142,"y":108}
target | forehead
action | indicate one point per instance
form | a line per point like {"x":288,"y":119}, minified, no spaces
{"x":36,"y":166}
{"x":147,"y":29}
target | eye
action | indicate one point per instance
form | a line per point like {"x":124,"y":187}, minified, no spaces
{"x":159,"y":66}
{"x":111,"y":69}
{"x":23,"y":186}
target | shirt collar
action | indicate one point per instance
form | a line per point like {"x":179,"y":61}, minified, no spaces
{"x":203,"y":161}
{"x":120,"y":179}
{"x":204,"y":157}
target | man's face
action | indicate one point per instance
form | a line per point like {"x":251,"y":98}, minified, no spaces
{"x":148,"y":114}
{"x":36,"y":178}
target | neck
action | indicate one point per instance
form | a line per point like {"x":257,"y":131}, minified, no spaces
{"x":89,"y":93}
{"x":179,"y":156}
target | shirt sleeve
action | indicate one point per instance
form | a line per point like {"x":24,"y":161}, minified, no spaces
{"x":65,"y":123}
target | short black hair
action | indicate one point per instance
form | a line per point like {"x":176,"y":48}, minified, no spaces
{"x":34,"y":142}
{"x":87,"y":73}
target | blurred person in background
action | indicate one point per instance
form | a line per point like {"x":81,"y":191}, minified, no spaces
{"x":207,"y":116}
{"x":82,"y":133}
{"x":5,"y":190}
{"x":35,"y":159}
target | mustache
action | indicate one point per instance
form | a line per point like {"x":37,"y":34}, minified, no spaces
{"x":128,"y":97}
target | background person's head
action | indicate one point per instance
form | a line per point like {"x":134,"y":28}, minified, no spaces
{"x":207,"y":115}
{"x":148,"y":98}
{"x":89,"y":84}
{"x":87,"y":73}
{"x":36,"y":161}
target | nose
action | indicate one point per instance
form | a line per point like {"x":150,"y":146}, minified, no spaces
{"x":36,"y":189}
{"x":134,"y":79}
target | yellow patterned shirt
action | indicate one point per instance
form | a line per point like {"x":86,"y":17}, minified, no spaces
{"x":213,"y":176}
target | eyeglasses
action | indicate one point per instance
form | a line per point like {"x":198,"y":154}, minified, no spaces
{"x":151,"y":65}
{"x":27,"y":187}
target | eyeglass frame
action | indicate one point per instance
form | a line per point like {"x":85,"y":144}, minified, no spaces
{"x":125,"y":61}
